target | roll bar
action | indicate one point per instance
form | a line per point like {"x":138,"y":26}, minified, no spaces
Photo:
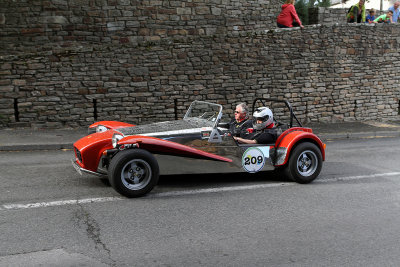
{"x":288,"y":105}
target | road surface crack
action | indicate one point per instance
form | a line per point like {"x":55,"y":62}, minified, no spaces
{"x":84,"y":219}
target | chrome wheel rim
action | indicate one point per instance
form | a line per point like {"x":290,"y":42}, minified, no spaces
{"x":136,"y":174}
{"x":307,"y":163}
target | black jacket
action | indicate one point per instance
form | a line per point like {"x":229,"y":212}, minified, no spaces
{"x":238,"y":129}
{"x":266,"y":136}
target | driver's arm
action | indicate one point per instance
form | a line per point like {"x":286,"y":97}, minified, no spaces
{"x":244,"y":141}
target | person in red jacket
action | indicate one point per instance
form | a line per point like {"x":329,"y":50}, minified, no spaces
{"x":288,"y":15}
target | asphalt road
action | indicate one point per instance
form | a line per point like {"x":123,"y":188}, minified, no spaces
{"x":348,"y":217}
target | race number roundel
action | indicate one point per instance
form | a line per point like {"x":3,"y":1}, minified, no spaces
{"x":253,"y":160}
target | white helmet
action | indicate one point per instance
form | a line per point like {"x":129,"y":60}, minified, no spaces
{"x":265,"y":115}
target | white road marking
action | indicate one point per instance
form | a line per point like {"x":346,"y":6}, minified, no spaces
{"x":217,"y":190}
{"x":348,"y":178}
{"x":57,"y":203}
{"x":18,"y":206}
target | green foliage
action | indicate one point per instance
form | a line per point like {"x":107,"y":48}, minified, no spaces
{"x":319,"y":3}
{"x":303,"y":6}
{"x":302,"y":10}
{"x":324,"y":3}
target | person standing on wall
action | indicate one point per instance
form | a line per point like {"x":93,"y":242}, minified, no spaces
{"x":396,"y":11}
{"x":357,"y":13}
{"x":288,"y":17}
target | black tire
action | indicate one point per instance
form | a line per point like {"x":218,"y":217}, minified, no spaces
{"x":133,"y":172}
{"x":305,"y":163}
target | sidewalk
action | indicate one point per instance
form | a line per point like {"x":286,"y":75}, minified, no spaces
{"x":53,"y":139}
{"x":48,"y":139}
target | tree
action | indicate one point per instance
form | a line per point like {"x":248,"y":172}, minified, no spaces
{"x":302,"y":11}
{"x":324,"y":3}
{"x":319,"y":3}
{"x":303,"y":6}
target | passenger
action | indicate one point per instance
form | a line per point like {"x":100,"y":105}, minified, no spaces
{"x":263,"y":131}
{"x":238,"y":126}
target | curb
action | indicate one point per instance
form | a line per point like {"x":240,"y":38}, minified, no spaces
{"x":36,"y":147}
{"x":358,"y":135}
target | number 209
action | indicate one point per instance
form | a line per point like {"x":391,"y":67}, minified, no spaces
{"x":253,"y":160}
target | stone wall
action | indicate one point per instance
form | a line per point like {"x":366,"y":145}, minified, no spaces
{"x":45,"y":23}
{"x":329,"y":73}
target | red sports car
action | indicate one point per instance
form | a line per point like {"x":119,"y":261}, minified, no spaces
{"x":133,"y":156}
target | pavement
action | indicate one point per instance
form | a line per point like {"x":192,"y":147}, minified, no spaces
{"x":27,"y":139}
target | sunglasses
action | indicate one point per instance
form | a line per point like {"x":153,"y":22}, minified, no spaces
{"x":236,"y":112}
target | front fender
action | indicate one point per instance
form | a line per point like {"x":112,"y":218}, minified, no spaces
{"x":290,"y":138}
{"x":91,"y":148}
{"x":156,"y":145}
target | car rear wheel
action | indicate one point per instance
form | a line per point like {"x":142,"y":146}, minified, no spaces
{"x":305,"y":163}
{"x":133,"y":172}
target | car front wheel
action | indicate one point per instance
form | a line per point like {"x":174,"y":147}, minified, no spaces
{"x":133,"y":172}
{"x":305,"y":163}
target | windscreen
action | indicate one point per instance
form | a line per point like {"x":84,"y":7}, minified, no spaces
{"x":204,"y":113}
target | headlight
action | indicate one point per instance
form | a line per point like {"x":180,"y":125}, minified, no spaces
{"x":115,"y":139}
{"x":101,"y":128}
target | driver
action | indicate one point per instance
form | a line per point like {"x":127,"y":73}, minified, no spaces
{"x":263,"y":131}
{"x":238,"y":126}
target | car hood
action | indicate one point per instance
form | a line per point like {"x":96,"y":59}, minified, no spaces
{"x":164,"y":128}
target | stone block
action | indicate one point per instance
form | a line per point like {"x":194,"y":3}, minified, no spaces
{"x":183,"y":11}
{"x":36,"y":66}
{"x":138,"y":84}
{"x":124,"y":2}
{"x":114,"y":13}
{"x":144,"y":32}
{"x":110,"y":84}
{"x":116,"y":26}
{"x":202,"y":10}
{"x":19,"y":82}
{"x":6,"y":89}
{"x":346,"y":75}
{"x":54,"y":20}
{"x":5,"y":66}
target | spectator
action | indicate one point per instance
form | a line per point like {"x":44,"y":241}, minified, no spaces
{"x":371,"y":16}
{"x":396,"y":11}
{"x":356,"y":13}
{"x":385,"y":18}
{"x":241,"y":122}
{"x":288,"y":17}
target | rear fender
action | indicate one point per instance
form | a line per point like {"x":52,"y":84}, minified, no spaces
{"x":290,"y":138}
{"x":156,"y":145}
